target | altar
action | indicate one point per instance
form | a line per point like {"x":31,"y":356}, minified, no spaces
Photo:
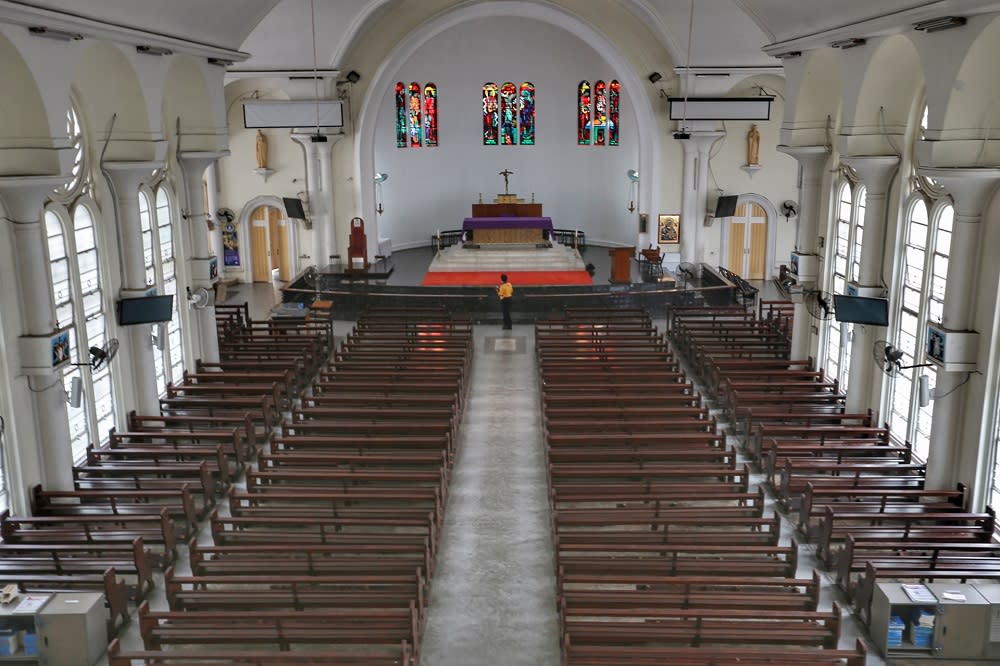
{"x":507,"y":229}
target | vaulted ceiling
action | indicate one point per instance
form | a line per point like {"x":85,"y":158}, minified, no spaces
{"x":277,"y":32}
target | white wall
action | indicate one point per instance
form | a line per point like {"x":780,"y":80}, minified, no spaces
{"x":580,"y":186}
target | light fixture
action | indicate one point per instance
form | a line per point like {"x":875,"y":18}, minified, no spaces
{"x":788,"y":54}
{"x":58,"y":35}
{"x":153,"y":50}
{"x":633,"y":188}
{"x":379,"y":179}
{"x":353,"y":76}
{"x":849,"y":43}
{"x":220,"y":62}
{"x":318,"y":137}
{"x":683,"y":133}
{"x":941,"y":23}
{"x":654,"y":77}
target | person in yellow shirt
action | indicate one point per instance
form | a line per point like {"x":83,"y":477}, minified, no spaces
{"x":505,"y":291}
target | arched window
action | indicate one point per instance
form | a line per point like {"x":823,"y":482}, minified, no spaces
{"x":74,"y":268}
{"x":430,"y":115}
{"x":400,"y":115}
{"x":923,"y":280}
{"x":600,"y":113}
{"x":583,"y":122}
{"x":491,"y":114}
{"x":848,"y":235}
{"x":172,"y":355}
{"x":508,"y":114}
{"x":527,"y":104}
{"x":416,"y":126}
{"x":614,"y":104}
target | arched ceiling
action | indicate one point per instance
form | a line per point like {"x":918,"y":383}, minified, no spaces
{"x":277,"y":32}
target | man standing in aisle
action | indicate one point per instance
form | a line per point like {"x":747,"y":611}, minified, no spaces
{"x":505,"y":291}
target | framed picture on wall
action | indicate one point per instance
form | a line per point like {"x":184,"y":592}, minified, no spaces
{"x":670,"y":229}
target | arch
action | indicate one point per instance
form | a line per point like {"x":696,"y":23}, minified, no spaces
{"x":107,"y":86}
{"x":647,"y":128}
{"x":24,"y":115}
{"x":813,"y":95}
{"x":244,"y":230}
{"x":772,"y":229}
{"x":893,"y":78}
{"x":186,"y":96}
{"x":975,"y":105}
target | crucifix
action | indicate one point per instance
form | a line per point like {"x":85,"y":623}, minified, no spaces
{"x":506,"y":173}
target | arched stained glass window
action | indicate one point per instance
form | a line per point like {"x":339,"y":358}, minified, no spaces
{"x":583,"y":123}
{"x":491,"y":115}
{"x":508,"y":114}
{"x":614,"y":104}
{"x":527,"y":105}
{"x":416,"y":127}
{"x":430,"y":115}
{"x":600,"y":113}
{"x":400,"y":115}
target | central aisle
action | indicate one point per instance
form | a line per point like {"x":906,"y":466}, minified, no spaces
{"x":493,"y":599}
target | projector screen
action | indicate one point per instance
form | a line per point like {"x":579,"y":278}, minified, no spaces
{"x":259,"y":114}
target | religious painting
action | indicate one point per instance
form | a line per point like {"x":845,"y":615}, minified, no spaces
{"x":508,"y":114}
{"x":491,"y":114}
{"x":600,"y":113}
{"x":614,"y":102}
{"x":230,"y":245}
{"x":527,"y":114}
{"x":430,"y":115}
{"x":670,"y":229}
{"x":416,"y":126}
{"x":583,"y":113}
{"x":60,"y":349}
{"x":400,"y":115}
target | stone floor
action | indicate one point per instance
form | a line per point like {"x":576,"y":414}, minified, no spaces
{"x":493,"y":592}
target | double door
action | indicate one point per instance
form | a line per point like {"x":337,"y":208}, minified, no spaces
{"x":269,"y":244}
{"x":747,"y":241}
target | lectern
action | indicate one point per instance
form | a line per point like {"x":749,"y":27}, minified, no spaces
{"x":621,"y":264}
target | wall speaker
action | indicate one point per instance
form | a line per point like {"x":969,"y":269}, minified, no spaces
{"x":75,"y":393}
{"x":160,"y":335}
{"x":924,"y":390}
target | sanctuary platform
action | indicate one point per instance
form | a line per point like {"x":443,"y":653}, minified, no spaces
{"x":526,"y":264}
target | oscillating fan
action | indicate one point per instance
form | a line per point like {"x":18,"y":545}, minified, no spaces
{"x":101,"y":356}
{"x":819,"y":304}
{"x":888,"y":358}
{"x":688,"y":270}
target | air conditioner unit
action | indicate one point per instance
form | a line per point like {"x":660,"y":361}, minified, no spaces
{"x":950,"y":350}
{"x":855,"y":289}
{"x":804,"y":267}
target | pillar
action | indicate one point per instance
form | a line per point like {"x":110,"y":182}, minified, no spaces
{"x":876,"y":172}
{"x":971,"y":190}
{"x":320,"y":254}
{"x":24,"y":199}
{"x":812,"y":161}
{"x":126,"y":178}
{"x":193,"y":165}
{"x":694,"y":198}
{"x":212,"y":202}
{"x":327,"y":228}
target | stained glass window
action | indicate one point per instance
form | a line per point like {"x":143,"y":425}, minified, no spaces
{"x":600,"y":113}
{"x":527,"y":105}
{"x":583,"y":114}
{"x":430,"y":115}
{"x":400,"y":115}
{"x":491,"y":115}
{"x":613,"y":108}
{"x":508,"y":114}
{"x":416,"y":126}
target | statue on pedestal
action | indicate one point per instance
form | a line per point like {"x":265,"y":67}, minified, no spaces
{"x":261,"y":150}
{"x":753,"y":146}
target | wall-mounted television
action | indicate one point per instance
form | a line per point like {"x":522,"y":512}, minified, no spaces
{"x":146,"y":310}
{"x":861,"y":310}
{"x":293,"y":208}
{"x":726,"y":206}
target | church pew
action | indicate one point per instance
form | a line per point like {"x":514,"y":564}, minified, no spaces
{"x":816,"y":498}
{"x":646,"y":655}
{"x":240,"y":426}
{"x":138,"y":456}
{"x":398,"y":656}
{"x":182,"y":507}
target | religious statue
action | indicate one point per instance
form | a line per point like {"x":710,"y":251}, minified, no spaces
{"x":261,"y":150}
{"x":506,"y":173}
{"x":753,"y":146}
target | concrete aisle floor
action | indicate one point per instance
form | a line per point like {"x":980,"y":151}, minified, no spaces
{"x":493,"y":599}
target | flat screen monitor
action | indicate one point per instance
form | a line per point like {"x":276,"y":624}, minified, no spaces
{"x":146,"y":310}
{"x":861,"y":310}
{"x":726,"y":207}
{"x":293,"y":208}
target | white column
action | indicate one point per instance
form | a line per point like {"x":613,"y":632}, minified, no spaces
{"x":24,"y":198}
{"x":193,"y":165}
{"x":215,"y":241}
{"x":694,"y":197}
{"x":327,"y":227}
{"x":971,"y":190}
{"x":812,"y":160}
{"x":127,"y":177}
{"x":876,"y":172}
{"x":320,"y":254}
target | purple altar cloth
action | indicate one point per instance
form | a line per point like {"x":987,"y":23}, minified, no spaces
{"x":472,"y":223}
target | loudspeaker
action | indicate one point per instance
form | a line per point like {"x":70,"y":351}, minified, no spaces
{"x":353,"y":76}
{"x":75,"y":392}
{"x":160,"y":335}
{"x":924,"y":390}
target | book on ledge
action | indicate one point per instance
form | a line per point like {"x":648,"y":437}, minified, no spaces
{"x":919,"y":594}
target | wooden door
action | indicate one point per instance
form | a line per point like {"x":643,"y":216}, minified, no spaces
{"x":259,"y":253}
{"x":285,"y":260}
{"x":274,"y":237}
{"x":747,"y":237}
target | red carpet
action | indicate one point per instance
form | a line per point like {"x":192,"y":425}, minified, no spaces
{"x":517,"y":278}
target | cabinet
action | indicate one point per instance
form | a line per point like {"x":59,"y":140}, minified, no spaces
{"x":62,"y":629}
{"x":959,"y":625}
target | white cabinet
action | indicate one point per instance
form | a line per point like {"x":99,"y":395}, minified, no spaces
{"x":72,"y":629}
